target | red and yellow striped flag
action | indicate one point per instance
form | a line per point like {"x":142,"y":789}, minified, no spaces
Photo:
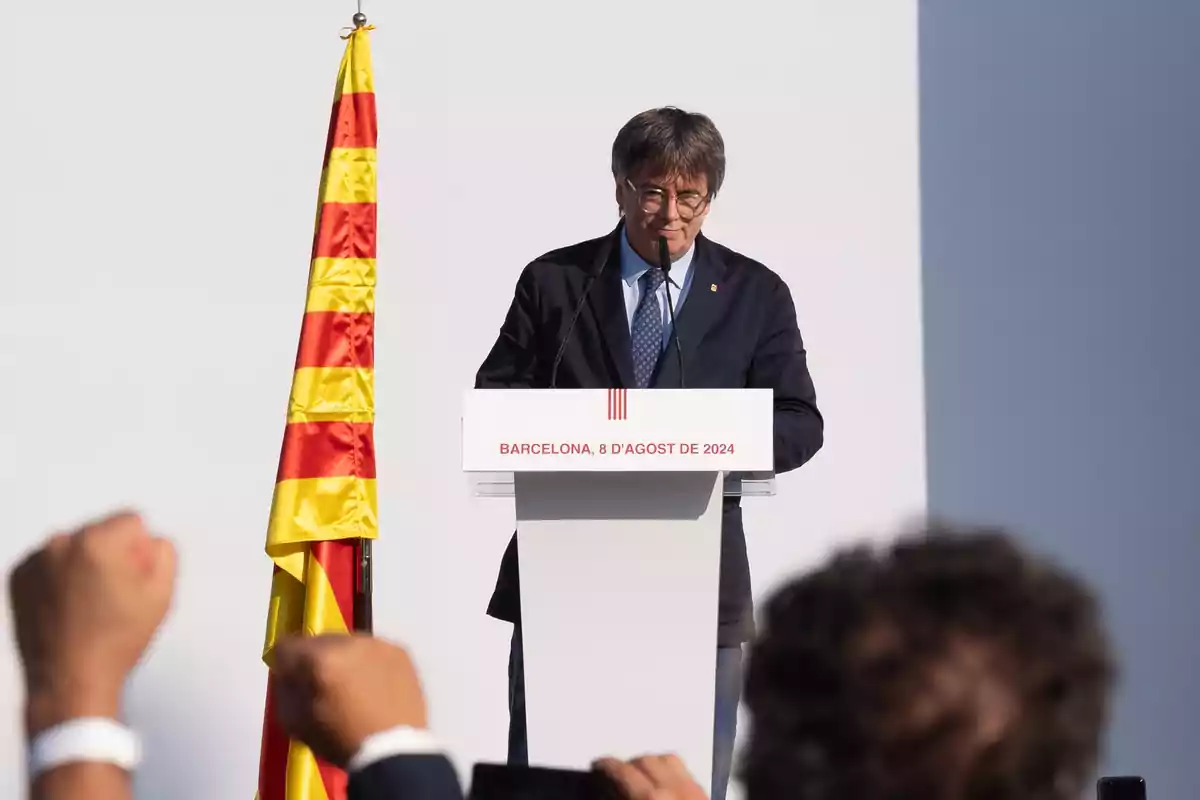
{"x":325,"y":504}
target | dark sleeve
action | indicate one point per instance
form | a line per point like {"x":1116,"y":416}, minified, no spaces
{"x":780,"y":363}
{"x":406,"y":777}
{"x":512,"y":361}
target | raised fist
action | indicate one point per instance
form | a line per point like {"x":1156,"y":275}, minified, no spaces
{"x":85,"y":607}
{"x":334,"y":691}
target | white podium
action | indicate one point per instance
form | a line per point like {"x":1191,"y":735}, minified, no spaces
{"x":618,"y":518}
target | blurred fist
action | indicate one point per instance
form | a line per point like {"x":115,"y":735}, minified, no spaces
{"x":334,"y":691}
{"x":85,"y":607}
{"x":651,"y":778}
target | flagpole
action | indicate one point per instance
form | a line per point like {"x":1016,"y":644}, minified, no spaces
{"x":362,"y":596}
{"x":363,"y":616}
{"x":363,"y":606}
{"x":324,"y":510}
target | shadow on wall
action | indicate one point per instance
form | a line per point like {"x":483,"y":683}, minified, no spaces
{"x":1061,"y":194}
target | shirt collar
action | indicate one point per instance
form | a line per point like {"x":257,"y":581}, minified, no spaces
{"x":633,"y":266}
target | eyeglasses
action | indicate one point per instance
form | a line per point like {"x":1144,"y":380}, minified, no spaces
{"x":652,"y":200}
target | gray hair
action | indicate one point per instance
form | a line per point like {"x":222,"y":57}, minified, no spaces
{"x":672,"y":142}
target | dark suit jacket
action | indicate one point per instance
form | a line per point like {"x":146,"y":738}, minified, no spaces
{"x":742,"y":334}
{"x":419,"y":777}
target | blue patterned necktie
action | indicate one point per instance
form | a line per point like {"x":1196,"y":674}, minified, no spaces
{"x":647,"y":332}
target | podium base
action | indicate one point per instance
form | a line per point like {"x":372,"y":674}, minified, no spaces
{"x":619,"y":574}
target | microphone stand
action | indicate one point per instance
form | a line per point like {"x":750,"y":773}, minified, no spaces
{"x":597,"y":268}
{"x":664,"y":263}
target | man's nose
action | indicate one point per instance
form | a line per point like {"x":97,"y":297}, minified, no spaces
{"x":670,"y":208}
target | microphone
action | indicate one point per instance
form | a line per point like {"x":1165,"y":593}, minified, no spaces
{"x":664,"y":263}
{"x":597,"y":268}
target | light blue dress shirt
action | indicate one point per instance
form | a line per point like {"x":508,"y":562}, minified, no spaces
{"x":633,"y":267}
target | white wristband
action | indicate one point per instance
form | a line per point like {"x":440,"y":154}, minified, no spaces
{"x":399,"y":741}
{"x":92,"y":739}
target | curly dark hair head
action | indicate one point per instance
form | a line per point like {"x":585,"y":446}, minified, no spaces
{"x":951,"y":666}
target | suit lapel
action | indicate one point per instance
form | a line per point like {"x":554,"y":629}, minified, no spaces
{"x":701,"y":309}
{"x":607,"y":300}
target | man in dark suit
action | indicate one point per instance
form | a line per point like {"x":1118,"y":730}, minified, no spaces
{"x":736,"y":329}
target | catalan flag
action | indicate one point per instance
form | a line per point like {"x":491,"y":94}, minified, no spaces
{"x":324,"y":507}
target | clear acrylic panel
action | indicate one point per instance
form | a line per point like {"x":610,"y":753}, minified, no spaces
{"x":737,"y":484}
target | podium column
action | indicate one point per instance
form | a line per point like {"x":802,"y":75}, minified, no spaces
{"x":620,"y":574}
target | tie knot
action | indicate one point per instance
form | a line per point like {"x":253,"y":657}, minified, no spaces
{"x":654,"y":278}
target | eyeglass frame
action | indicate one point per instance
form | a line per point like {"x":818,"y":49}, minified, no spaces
{"x":665,"y":194}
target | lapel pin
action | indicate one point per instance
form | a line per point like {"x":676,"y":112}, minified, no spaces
{"x":712,"y":288}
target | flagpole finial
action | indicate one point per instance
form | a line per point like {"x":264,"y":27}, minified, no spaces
{"x":360,"y":20}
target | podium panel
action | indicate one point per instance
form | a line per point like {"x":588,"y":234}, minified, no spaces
{"x":617,"y":430}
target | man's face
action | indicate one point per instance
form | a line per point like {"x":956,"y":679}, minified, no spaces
{"x":655,"y":205}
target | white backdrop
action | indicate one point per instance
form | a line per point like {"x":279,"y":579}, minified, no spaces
{"x":158,"y":195}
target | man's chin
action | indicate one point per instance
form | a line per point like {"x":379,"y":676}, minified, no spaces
{"x":677,"y":241}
